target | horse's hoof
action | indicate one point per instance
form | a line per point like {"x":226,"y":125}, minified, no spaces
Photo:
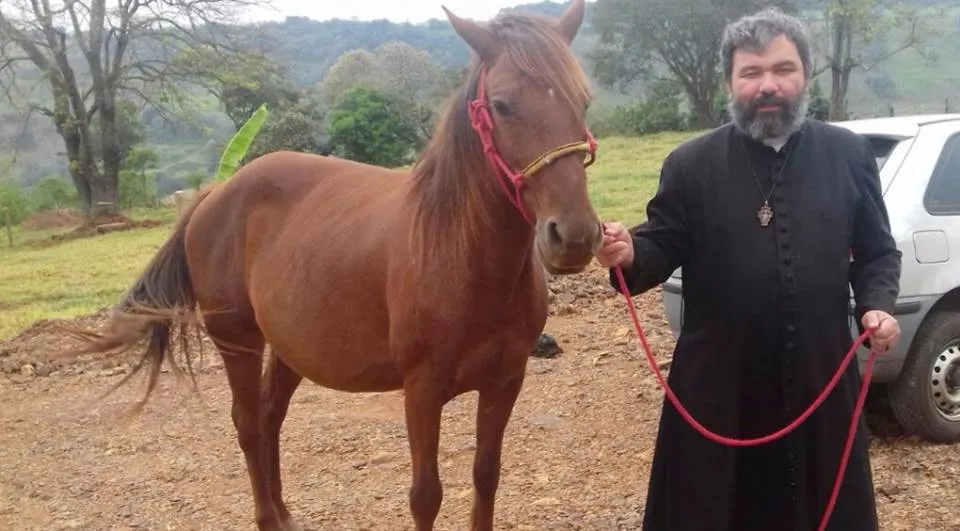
{"x":292,"y":525}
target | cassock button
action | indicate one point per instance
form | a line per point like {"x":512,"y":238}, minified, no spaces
{"x":789,"y":277}
{"x":787,"y":261}
{"x":791,"y":328}
{"x":790,"y":345}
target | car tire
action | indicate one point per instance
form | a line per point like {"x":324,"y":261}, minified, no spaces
{"x":936,"y":346}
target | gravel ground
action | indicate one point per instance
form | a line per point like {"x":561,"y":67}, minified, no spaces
{"x":577,"y":452}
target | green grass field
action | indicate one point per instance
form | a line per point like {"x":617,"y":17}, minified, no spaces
{"x":79,"y":277}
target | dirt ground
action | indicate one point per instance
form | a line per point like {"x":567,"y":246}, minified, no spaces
{"x":577,"y":452}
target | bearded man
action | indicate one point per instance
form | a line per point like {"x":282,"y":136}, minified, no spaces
{"x":772,"y":218}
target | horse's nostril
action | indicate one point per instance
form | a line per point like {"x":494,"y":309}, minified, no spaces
{"x":553,"y":233}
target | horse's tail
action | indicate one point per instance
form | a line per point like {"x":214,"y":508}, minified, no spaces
{"x":159,"y":301}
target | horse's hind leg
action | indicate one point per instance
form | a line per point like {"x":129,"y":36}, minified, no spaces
{"x":241,"y":344}
{"x":494,"y":408}
{"x":281,"y":382}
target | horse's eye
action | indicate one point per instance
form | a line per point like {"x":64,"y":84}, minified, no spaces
{"x":501,"y":108}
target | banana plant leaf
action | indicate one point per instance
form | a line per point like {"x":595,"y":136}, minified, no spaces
{"x":239,"y":143}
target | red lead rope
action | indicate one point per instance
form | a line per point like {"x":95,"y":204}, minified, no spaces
{"x":857,"y":410}
{"x":482,"y":123}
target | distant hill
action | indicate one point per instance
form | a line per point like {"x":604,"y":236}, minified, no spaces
{"x":308,"y":47}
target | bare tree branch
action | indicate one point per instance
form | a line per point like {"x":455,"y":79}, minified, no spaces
{"x":126,"y":48}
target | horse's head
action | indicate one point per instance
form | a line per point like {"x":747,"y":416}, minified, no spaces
{"x":527,"y":104}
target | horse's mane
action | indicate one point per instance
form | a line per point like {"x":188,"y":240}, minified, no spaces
{"x":453,"y":183}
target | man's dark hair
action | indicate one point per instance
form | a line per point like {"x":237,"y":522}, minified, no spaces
{"x":754,"y":32}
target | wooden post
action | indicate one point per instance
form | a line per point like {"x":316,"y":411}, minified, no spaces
{"x":178,"y":201}
{"x":8,"y":221}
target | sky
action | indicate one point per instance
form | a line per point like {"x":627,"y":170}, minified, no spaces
{"x":393,"y":10}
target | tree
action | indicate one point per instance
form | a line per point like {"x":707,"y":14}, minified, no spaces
{"x":135,"y":168}
{"x":396,"y":69}
{"x":243,"y":83}
{"x":643,"y":40}
{"x":366,"y":126}
{"x":297,"y":126}
{"x":354,"y":67}
{"x":52,"y":192}
{"x":129,"y":128}
{"x":125,"y":48}
{"x":855,"y":34}
{"x":819,"y":108}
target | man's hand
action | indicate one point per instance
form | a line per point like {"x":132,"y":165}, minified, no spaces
{"x":617,"y":247}
{"x":887,"y":329}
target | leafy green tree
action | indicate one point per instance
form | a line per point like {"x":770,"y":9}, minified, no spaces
{"x":366,"y":126}
{"x":138,"y":161}
{"x":14,"y":201}
{"x":819,"y":105}
{"x":402,"y":72}
{"x":243,"y":84}
{"x":52,"y":192}
{"x":295,"y":127}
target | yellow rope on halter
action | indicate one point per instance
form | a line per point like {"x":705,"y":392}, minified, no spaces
{"x":554,"y":154}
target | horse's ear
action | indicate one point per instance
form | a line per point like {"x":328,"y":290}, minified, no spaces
{"x":478,"y":37}
{"x":571,"y":20}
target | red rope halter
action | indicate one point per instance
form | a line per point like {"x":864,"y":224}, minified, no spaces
{"x":482,"y":123}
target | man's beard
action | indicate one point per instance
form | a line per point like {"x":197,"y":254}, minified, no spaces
{"x":769,"y":125}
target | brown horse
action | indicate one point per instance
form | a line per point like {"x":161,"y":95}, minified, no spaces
{"x":364,"y":279}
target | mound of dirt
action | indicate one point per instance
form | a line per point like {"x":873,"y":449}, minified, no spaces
{"x":54,"y":219}
{"x":37,"y":350}
{"x":44,"y":349}
{"x":99,"y":225}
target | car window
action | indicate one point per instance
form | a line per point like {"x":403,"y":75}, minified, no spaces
{"x":882,"y":147}
{"x":943,"y":193}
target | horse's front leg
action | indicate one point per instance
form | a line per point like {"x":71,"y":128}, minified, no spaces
{"x":423,"y":406}
{"x":494,"y":408}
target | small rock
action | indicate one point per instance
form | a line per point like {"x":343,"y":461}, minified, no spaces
{"x":111,"y":371}
{"x":545,"y":421}
{"x":28,"y":370}
{"x":540,"y":369}
{"x":382,"y":458}
{"x":546,"y":347}
{"x":546,"y":501}
{"x":888,"y":489}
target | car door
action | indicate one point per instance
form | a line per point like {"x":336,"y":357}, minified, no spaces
{"x":924,"y":205}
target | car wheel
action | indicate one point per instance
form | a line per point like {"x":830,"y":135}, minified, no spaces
{"x":926,"y":397}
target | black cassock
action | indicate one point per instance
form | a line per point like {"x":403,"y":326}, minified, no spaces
{"x":766,"y":325}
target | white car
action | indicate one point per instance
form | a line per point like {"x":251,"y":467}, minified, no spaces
{"x":919,"y":160}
